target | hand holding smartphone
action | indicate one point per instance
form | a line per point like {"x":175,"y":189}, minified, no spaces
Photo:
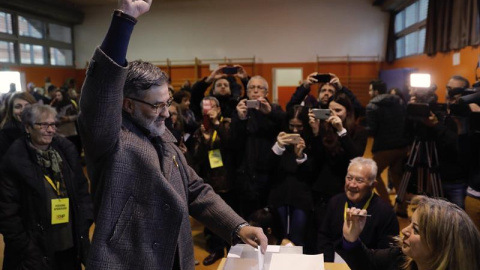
{"x":323,"y":78}
{"x":294,"y":138}
{"x":322,"y":114}
{"x":206,"y":106}
{"x":253,"y":104}
{"x":229,"y":70}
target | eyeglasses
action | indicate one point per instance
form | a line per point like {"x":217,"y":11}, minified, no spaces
{"x":45,"y":126}
{"x":358,"y":180}
{"x":155,"y":107}
{"x":259,"y":87}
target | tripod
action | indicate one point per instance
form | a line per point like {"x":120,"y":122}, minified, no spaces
{"x":424,"y":158}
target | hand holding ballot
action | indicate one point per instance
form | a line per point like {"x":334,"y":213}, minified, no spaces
{"x":254,"y":237}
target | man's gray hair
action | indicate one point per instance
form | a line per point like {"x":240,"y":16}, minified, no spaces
{"x":265,"y":83}
{"x":366,"y":162}
{"x":141,"y":76}
{"x":32,"y":114}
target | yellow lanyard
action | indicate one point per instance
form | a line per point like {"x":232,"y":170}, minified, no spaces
{"x":57,"y":188}
{"x":364,"y":207}
{"x":214,"y":136}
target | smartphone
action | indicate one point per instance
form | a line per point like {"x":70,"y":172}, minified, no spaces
{"x":322,"y":114}
{"x":323,"y":78}
{"x":294,"y":137}
{"x":206,"y":122}
{"x":230,"y":70}
{"x":253,"y":104}
{"x":206,"y":106}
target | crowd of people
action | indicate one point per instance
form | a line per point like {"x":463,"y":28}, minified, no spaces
{"x":219,"y":150}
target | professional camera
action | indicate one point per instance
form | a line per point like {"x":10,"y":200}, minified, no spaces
{"x":425,"y":97}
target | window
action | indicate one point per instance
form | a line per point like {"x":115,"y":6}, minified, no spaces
{"x":7,"y":54}
{"x":31,"y":54}
{"x":6,"y":23}
{"x":410,"y":31}
{"x":60,"y":57}
{"x":60,"y":33}
{"x":29,"y":40}
{"x":30,"y":27}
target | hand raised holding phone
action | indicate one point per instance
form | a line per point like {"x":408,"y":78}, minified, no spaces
{"x":335,"y":121}
{"x":216,"y":74}
{"x":284,"y":138}
{"x":299,"y":147}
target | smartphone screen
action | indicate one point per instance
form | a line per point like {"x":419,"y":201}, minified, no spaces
{"x":254,"y":104}
{"x":323,"y":78}
{"x":322,"y":114}
{"x":206,"y":122}
{"x":230,"y":70}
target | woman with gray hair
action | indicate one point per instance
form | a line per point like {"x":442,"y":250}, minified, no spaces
{"x":45,"y":207}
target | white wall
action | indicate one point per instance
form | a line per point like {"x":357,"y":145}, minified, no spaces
{"x":272,"y":30}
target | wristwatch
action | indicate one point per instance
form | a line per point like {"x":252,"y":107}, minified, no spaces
{"x":235,"y":237}
{"x":121,"y":14}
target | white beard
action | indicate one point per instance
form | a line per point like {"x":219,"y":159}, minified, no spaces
{"x":156,"y":127}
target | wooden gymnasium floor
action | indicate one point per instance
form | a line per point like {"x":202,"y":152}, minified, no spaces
{"x":199,"y":240}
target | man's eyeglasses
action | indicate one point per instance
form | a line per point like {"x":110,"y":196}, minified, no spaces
{"x":45,"y":126}
{"x":259,"y":87}
{"x":155,"y":107}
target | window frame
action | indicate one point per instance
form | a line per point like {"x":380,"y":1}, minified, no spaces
{"x":416,"y":27}
{"x":45,"y":42}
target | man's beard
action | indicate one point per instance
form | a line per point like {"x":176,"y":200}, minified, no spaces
{"x":155,"y":126}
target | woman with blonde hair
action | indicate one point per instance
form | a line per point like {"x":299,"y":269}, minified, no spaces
{"x":440,"y":236}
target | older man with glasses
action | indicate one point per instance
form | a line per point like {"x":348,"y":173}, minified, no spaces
{"x":359,"y":184}
{"x":144,"y":189}
{"x":254,"y":130}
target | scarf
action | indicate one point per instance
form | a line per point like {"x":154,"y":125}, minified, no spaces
{"x":51,"y":161}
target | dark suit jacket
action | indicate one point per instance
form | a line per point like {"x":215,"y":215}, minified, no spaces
{"x":142,"y":214}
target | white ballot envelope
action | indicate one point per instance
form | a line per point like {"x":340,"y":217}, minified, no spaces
{"x":261,"y":258}
{"x":283,"y":261}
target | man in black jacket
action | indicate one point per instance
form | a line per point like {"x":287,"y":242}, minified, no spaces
{"x":385,"y":122}
{"x":359,"y":184}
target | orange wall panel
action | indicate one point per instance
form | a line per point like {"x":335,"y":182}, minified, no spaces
{"x":284,"y":95}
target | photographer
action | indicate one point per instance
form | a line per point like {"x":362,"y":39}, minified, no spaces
{"x":212,"y":155}
{"x":291,"y":194}
{"x":386,"y":122}
{"x":465,"y":102}
{"x":224,"y":88}
{"x":328,"y":85}
{"x":254,"y":129}
{"x":442,"y":129}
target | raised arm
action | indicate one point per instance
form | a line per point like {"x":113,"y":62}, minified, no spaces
{"x":100,"y":119}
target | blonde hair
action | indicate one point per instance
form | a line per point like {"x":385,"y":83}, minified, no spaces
{"x":449,"y":234}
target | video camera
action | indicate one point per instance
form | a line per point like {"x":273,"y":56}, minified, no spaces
{"x":425,"y":97}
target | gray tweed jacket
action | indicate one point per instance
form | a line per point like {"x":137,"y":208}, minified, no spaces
{"x":141,"y":215}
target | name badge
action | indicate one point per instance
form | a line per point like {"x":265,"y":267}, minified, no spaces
{"x":215,"y":158}
{"x":60,"y":211}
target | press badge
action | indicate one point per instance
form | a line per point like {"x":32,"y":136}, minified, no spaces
{"x":60,"y":211}
{"x":215,"y":158}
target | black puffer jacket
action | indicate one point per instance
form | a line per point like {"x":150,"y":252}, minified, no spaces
{"x":386,"y":122}
{"x":24,"y":220}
